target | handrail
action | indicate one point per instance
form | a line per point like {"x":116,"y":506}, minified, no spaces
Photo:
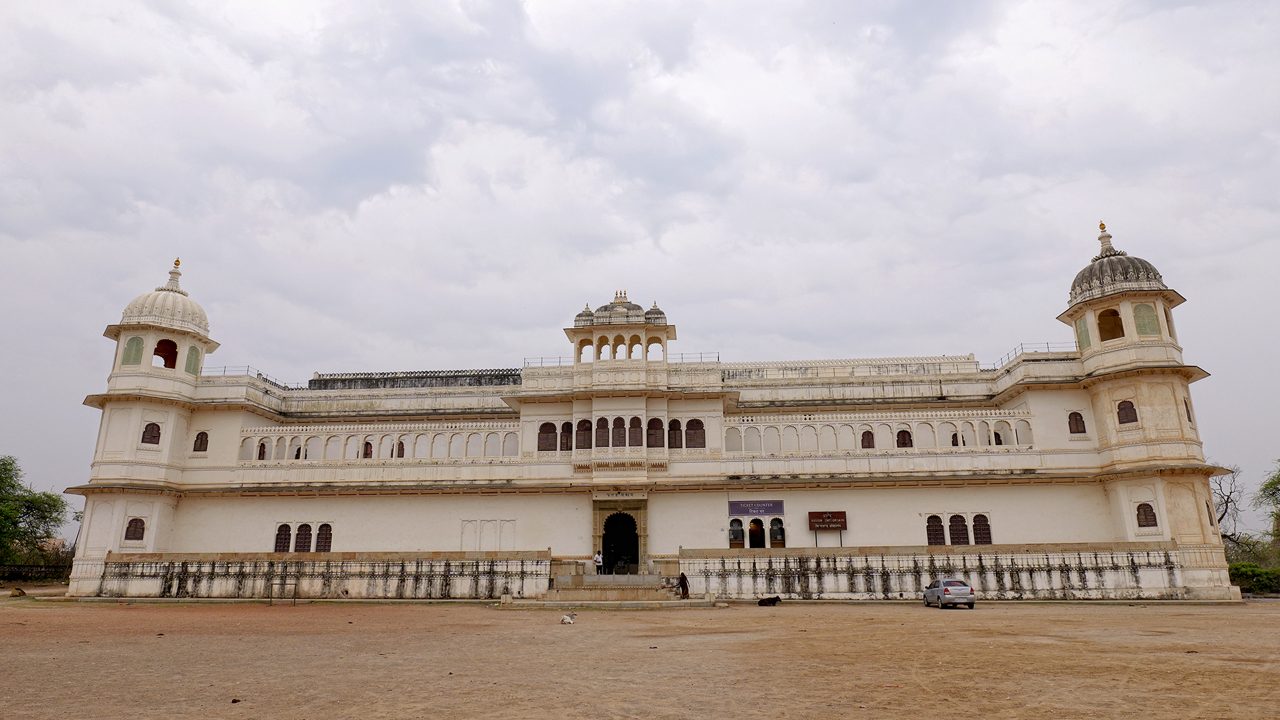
{"x":249,"y":371}
{"x":1037,"y":347}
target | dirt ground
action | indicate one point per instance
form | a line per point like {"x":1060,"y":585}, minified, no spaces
{"x":109,"y":660}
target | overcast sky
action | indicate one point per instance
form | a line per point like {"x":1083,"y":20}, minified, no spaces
{"x":361,"y":188}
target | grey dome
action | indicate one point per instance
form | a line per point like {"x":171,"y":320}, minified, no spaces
{"x":1114,"y":271}
{"x":586,"y":317}
{"x":620,"y":305}
{"x":655,"y":316}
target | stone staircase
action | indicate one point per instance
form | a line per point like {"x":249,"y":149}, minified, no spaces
{"x":610,"y":588}
{"x":610,"y":592}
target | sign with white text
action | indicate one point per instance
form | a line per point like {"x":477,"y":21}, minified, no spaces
{"x":828,"y":520}
{"x":755,"y":507}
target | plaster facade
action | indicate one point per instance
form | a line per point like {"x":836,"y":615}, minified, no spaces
{"x":1073,"y":471}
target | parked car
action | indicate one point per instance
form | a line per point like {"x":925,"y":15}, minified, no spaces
{"x":949,"y":591}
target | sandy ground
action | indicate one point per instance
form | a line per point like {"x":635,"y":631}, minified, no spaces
{"x":80,"y":660}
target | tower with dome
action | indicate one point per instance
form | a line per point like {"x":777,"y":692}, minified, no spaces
{"x":1071,"y":470}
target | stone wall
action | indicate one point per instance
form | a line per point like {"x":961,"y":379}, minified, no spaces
{"x":424,"y":576}
{"x":1148,"y":571}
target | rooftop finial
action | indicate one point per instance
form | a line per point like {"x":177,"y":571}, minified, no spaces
{"x":1105,"y":239}
{"x":174,"y":274}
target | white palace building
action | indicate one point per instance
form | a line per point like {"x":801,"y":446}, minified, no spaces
{"x":1072,"y":472}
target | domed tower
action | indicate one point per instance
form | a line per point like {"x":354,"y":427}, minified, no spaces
{"x":1121,"y":311}
{"x":621,"y":330}
{"x":1138,"y":387}
{"x":145,"y":437}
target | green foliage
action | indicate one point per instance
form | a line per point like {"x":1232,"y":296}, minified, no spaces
{"x":1268,"y":496}
{"x":27,"y":518}
{"x":1254,"y":579}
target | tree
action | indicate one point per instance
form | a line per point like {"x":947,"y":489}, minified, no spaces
{"x":1268,"y":498}
{"x":1228,"y":495}
{"x":27,"y":517}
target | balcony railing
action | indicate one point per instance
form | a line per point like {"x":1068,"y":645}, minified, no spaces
{"x":1038,"y":347}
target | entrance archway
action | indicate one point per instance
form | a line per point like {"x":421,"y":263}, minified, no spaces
{"x":755,"y":534}
{"x":620,"y":544}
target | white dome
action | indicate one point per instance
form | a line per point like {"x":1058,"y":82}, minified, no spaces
{"x":167,"y":306}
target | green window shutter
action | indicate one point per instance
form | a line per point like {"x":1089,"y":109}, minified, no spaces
{"x":193,"y":361}
{"x":1144,"y":317}
{"x":132,"y":352}
{"x":1082,"y":333}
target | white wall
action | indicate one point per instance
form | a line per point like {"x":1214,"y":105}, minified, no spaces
{"x":892,"y":516}
{"x":383,"y":524}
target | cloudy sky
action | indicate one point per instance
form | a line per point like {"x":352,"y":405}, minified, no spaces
{"x":354,"y":187}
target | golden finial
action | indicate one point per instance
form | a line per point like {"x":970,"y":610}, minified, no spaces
{"x":1102,"y":226}
{"x":177,"y":262}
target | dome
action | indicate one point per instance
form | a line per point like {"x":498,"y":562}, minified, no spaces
{"x":586,"y":317}
{"x":655,"y":316}
{"x":167,"y":306}
{"x":620,"y":305}
{"x":1114,"y":271}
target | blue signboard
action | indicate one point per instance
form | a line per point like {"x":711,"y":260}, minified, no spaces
{"x":755,"y":507}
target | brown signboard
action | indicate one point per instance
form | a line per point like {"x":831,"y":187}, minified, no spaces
{"x":833,"y":520}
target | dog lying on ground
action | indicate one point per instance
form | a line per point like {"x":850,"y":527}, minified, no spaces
{"x":568,"y":619}
{"x":769,"y":601}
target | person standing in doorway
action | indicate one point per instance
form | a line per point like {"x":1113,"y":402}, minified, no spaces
{"x":599,"y":560}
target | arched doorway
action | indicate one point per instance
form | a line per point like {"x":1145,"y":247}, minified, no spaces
{"x":620,"y":544}
{"x":755,"y":534}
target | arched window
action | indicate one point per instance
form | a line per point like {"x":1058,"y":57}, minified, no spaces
{"x":582,"y":440}
{"x":654,"y":435}
{"x":151,"y":434}
{"x":777,"y":533}
{"x":132,"y":352}
{"x":755,"y":533}
{"x":635,"y":433}
{"x":999,"y":439}
{"x":868,"y":440}
{"x":166,"y":354}
{"x":675,"y":438}
{"x":695,"y":435}
{"x":981,"y":530}
{"x":201,"y":443}
{"x":1075,"y":424}
{"x":324,"y":538}
{"x":297,"y":453}
{"x":193,"y":360}
{"x":262,"y":451}
{"x":1126,"y":413}
{"x":566,"y":437}
{"x":619,"y":438}
{"x":546,"y":437}
{"x":135,"y":530}
{"x":366,"y":453}
{"x":302,"y":541}
{"x":959,"y":528}
{"x":1110,"y":326}
{"x":283,"y":534}
{"x":955,"y":439}
{"x":904,"y":438}
{"x":399,"y":448}
{"x":737,"y":538}
{"x":933,"y":531}
{"x":1146,"y":515}
{"x":602,"y":433}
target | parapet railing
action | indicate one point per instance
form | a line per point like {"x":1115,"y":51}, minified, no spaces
{"x":249,"y":371}
{"x":561,"y":361}
{"x":1036,"y":347}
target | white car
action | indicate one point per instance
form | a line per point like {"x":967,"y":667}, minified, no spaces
{"x":949,"y":591}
